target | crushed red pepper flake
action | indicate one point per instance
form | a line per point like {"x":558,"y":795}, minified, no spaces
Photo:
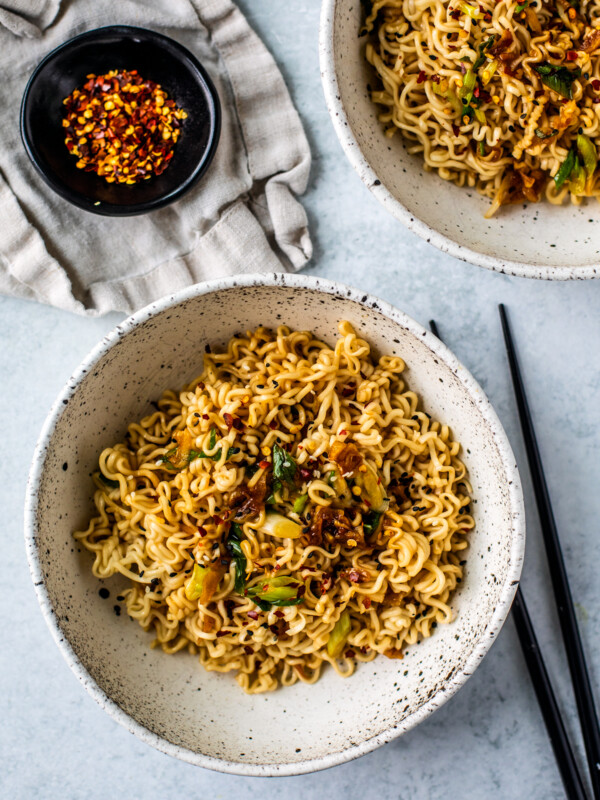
{"x":121,"y":126}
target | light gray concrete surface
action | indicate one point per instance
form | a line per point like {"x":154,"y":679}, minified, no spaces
{"x":487,"y":742}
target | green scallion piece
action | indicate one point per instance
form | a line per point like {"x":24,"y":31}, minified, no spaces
{"x":300,"y":503}
{"x":587,"y":151}
{"x":565,"y":169}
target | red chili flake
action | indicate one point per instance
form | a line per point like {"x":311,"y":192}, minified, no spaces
{"x":305,"y":474}
{"x":205,"y":416}
{"x":217,"y":520}
{"x":455,"y":130}
{"x":279,"y":613}
{"x":228,"y":420}
{"x":202,"y":531}
{"x":571,"y":55}
{"x":487,"y":17}
{"x":366,"y":502}
{"x":367,"y":602}
{"x":128,"y":129}
{"x":455,"y":14}
{"x":264,"y":464}
{"x":273,"y":424}
{"x":248,"y":650}
{"x":238,"y":424}
{"x":349,"y":653}
{"x":200,"y":385}
{"x":348,"y":390}
{"x":421,"y":77}
{"x":343,"y":433}
{"x":476,"y":91}
{"x":596,"y":84}
{"x":222,"y":633}
{"x":253,"y":614}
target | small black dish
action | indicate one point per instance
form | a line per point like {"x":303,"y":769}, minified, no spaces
{"x":155,"y":57}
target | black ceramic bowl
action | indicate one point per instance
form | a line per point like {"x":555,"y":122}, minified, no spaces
{"x":155,"y":57}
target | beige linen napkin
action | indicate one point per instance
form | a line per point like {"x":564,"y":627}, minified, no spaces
{"x":242,"y":216}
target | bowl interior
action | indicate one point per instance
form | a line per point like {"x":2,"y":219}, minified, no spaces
{"x":303,"y":727}
{"x":533,"y":239}
{"x":119,"y":47}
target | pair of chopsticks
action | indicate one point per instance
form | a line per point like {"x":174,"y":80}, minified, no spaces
{"x":584,"y":698}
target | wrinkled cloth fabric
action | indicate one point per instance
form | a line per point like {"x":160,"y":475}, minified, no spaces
{"x":242,"y":216}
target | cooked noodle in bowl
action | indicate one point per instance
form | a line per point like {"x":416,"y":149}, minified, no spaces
{"x":293,"y":506}
{"x":501,"y":96}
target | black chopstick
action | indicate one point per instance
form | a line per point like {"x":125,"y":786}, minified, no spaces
{"x":564,"y":602}
{"x":540,"y":679}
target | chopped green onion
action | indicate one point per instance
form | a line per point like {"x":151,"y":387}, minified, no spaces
{"x":565,"y":169}
{"x":577,"y":178}
{"x":278,"y":591}
{"x":372,"y":489}
{"x":234,"y":546}
{"x":455,"y":103}
{"x":468,"y":87}
{"x":521,"y":7}
{"x":194,"y":454}
{"x":559,"y":79}
{"x":471,"y":11}
{"x":283,"y":528}
{"x":480,"y":117}
{"x":371,"y":522}
{"x":339,"y":635}
{"x":212,"y":440}
{"x":543,"y":135}
{"x":284,"y":469}
{"x":300,"y":503}
{"x":195,"y":584}
{"x":482,"y":48}
{"x":203,"y":583}
{"x":587,"y":151}
{"x":490,"y":69}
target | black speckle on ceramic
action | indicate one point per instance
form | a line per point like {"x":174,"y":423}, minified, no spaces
{"x":170,"y":701}
{"x":534,"y":241}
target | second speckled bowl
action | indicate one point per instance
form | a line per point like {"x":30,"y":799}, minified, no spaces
{"x":536,"y":241}
{"x":170,"y":701}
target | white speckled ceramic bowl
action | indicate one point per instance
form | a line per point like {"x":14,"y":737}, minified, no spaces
{"x":534,"y":241}
{"x":170,"y":701}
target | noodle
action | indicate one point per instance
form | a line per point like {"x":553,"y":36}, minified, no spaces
{"x":499,"y":96}
{"x":290,"y":507}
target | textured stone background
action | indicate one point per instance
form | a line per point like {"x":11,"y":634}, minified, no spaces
{"x":489,"y":741}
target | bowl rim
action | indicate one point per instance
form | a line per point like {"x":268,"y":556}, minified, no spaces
{"x":477,"y":396}
{"x":376,"y":185}
{"x":131,"y":209}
